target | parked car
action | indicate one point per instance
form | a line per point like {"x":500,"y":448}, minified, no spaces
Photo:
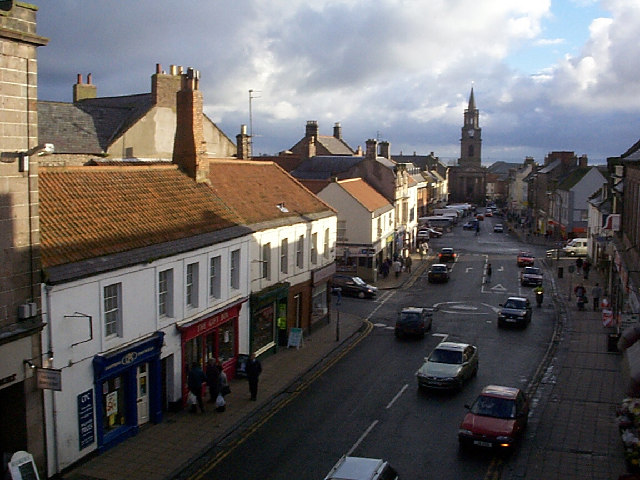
{"x":413,"y":321}
{"x":480,"y":216}
{"x":531,"y":276}
{"x":353,"y":286}
{"x":515,"y":311}
{"x":449,"y":365}
{"x":434,"y":232}
{"x":438,"y":272}
{"x":498,"y":228}
{"x":525,"y":259}
{"x":497,"y":418}
{"x":447,"y":254}
{"x":576,"y":247}
{"x":360,"y":468}
{"x":423,"y":234}
{"x":488,"y":213}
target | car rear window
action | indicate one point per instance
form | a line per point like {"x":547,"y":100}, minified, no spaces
{"x":494,"y":407}
{"x":440,"y":355}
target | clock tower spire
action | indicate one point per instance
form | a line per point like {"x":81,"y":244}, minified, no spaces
{"x":471,"y":141}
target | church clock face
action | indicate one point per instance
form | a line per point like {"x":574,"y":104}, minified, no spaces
{"x":470,"y":133}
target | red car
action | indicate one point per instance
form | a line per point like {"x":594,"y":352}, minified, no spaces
{"x":497,"y":418}
{"x":525,"y":259}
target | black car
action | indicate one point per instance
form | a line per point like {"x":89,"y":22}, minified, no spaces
{"x":447,"y":254}
{"x":438,"y":272}
{"x":353,"y":286}
{"x":413,"y":321}
{"x":515,"y":311}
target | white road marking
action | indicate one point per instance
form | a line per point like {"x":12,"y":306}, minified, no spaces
{"x":362,"y":437}
{"x":390,"y":404}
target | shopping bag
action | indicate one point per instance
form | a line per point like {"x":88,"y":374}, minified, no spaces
{"x":191,"y":399}
{"x":220,"y":403}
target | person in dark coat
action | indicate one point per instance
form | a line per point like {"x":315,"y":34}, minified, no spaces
{"x":586,"y":266}
{"x":195,"y":379}
{"x":254,"y":369}
{"x":213,"y":379}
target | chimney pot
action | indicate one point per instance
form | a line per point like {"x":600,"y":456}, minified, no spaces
{"x":79,"y":79}
{"x":88,"y":79}
{"x":158,"y":68}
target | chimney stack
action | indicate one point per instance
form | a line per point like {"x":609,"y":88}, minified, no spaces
{"x":243,"y":144}
{"x":82,"y":91}
{"x":164,"y":87}
{"x":311,"y":147}
{"x":385,"y":150}
{"x":189,"y":148}
{"x":372,"y":149}
{"x":312,"y":129}
{"x":337,"y":131}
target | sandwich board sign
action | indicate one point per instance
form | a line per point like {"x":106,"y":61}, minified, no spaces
{"x":22,"y":467}
{"x":295,"y":338}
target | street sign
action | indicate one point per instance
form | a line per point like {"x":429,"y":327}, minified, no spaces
{"x":49,"y":379}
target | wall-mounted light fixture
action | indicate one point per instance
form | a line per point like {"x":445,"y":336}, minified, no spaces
{"x":29,"y":363}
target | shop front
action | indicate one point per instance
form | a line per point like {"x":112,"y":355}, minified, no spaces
{"x":214,"y":336}
{"x":128,"y":388}
{"x":267,"y":307}
{"x":320,"y":294}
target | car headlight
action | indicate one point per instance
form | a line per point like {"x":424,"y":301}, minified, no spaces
{"x":465,"y":432}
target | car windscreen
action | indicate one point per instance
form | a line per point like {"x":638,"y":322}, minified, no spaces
{"x":438,"y":269}
{"x":359,"y":281}
{"x":532,"y":270}
{"x":519,"y":304}
{"x":494,"y":407}
{"x":440,"y":355}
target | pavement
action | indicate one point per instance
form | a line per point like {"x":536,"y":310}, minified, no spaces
{"x":572,"y":431}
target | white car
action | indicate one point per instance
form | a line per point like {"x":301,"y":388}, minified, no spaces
{"x":449,"y":366}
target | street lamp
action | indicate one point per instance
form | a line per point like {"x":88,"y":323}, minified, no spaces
{"x":23,"y":157}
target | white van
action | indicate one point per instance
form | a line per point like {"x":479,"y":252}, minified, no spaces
{"x":576,"y":247}
{"x":437,"y":221}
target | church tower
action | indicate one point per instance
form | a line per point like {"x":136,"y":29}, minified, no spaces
{"x":471,"y":141}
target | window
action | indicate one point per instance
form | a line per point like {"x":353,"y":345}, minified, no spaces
{"x":284,"y":255}
{"x":165,"y":296}
{"x":300,"y":252}
{"x":326,"y":243}
{"x":214,"y":277}
{"x":266,"y":261}
{"x":112,"y":310}
{"x":342,"y":230}
{"x":234,"y":271}
{"x":314,"y":248}
{"x":191,"y":284}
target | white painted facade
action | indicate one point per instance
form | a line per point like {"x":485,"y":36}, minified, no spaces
{"x":75,"y":332}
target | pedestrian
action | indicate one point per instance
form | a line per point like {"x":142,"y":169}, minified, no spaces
{"x":596,"y":293}
{"x":254,"y":369}
{"x":579,"y":263}
{"x":397,"y":267}
{"x":195,"y":379}
{"x":385,"y":269}
{"x":213,"y":379}
{"x":580,"y":296}
{"x":489,"y":272}
{"x":407,"y":263}
{"x":586,"y":266}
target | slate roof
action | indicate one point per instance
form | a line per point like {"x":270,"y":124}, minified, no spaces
{"x":93,"y":212}
{"x":574,"y":177}
{"x":323,"y":167}
{"x":364,"y":193}
{"x":254,"y":189}
{"x":326,"y":145}
{"x":91,"y":125}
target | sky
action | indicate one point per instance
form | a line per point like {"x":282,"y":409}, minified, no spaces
{"x":548,"y":75}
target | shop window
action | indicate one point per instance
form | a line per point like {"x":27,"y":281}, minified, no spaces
{"x":234,"y":272}
{"x":191,"y":284}
{"x":300,"y":252}
{"x":165,"y":293}
{"x":264,"y":328}
{"x":112,"y":310}
{"x":214,"y":277}
{"x":113,"y":403}
{"x":320,"y":308}
{"x":226,"y":341}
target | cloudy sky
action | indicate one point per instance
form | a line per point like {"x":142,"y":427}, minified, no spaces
{"x":547,"y":74}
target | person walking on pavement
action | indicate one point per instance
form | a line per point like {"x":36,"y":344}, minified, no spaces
{"x":407,"y":263}
{"x":397,"y":267}
{"x":586,"y":266}
{"x":596,"y":293}
{"x":254,"y":369}
{"x":195,"y":379}
{"x":213,"y":379}
{"x":580,"y":296}
{"x":579,"y":263}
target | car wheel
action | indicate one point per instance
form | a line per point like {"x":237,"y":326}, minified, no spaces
{"x":360,"y":294}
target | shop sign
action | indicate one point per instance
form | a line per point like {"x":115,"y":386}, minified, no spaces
{"x":86,"y":429}
{"x":49,"y":379}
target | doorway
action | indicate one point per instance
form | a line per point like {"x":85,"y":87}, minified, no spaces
{"x":142,"y":399}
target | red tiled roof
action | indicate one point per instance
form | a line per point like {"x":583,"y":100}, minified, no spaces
{"x":88,"y":212}
{"x":368,"y":196}
{"x":254,"y":189}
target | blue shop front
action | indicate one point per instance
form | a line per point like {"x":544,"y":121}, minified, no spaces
{"x":128,"y":390}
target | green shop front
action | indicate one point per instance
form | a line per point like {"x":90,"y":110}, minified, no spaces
{"x":268,"y":309}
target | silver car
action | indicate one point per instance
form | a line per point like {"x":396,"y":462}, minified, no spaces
{"x":449,"y":366}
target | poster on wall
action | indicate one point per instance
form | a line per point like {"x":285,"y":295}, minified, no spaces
{"x":85,"y":419}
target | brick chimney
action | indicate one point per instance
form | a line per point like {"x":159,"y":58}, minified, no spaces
{"x":312,"y":129}
{"x":164,"y":87}
{"x":583,"y":161}
{"x":243,"y":143}
{"x":311,"y":146}
{"x":189,"y":147}
{"x":337,"y":131}
{"x":385,"y":150}
{"x":82,"y":91}
{"x":372,"y":149}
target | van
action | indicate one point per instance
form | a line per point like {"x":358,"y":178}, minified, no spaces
{"x":359,"y":468}
{"x":437,"y":221}
{"x":577,"y":247}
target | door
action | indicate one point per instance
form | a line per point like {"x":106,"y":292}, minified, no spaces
{"x":142,"y":377}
